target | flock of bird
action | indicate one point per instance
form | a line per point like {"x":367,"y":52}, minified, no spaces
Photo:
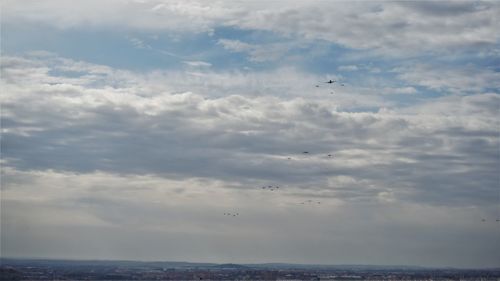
{"x":276,"y":188}
{"x":310,"y":202}
{"x":273,"y":188}
{"x":484,"y":220}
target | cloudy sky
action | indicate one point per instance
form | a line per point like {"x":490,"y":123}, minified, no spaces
{"x":130,"y":127}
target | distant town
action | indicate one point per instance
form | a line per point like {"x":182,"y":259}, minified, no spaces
{"x":39,"y":269}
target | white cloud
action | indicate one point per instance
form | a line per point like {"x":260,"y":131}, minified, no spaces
{"x":198,"y":63}
{"x":389,"y":27}
{"x":257,"y":52}
{"x":363,"y":67}
{"x":400,"y":90}
{"x":190,"y":16}
{"x":235,"y":45}
{"x":138,"y":43}
{"x":348,"y":68}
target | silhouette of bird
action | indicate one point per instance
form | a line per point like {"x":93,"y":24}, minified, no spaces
{"x":317,"y":86}
{"x":331,"y":81}
{"x":305,"y":152}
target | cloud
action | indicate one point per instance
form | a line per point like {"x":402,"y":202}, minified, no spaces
{"x":146,"y":217}
{"x":138,"y":43}
{"x":124,"y":122}
{"x":402,"y":90}
{"x":198,"y":63}
{"x":360,"y":67}
{"x":179,"y":16}
{"x":452,"y":79}
{"x":391,"y":28}
{"x":348,"y":68}
{"x":156,"y":158}
{"x":258,"y":52}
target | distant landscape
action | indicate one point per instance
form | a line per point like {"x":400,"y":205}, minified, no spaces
{"x":52,"y":269}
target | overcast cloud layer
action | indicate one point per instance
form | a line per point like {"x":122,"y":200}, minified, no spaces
{"x":130,"y":127}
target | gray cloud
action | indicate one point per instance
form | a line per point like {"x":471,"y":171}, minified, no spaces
{"x":107,"y":214}
{"x":119,"y":158}
{"x":456,"y":79}
{"x":126,"y":129}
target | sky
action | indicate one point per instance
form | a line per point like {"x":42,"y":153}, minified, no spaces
{"x":130,"y":128}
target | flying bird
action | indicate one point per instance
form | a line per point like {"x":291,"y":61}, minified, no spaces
{"x":330,"y":82}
